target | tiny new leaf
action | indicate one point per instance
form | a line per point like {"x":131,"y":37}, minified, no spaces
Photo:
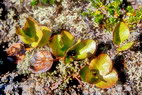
{"x":121,"y":33}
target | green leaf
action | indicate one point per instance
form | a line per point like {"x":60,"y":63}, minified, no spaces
{"x":102,"y":63}
{"x":29,"y":30}
{"x":99,"y":18}
{"x":100,"y":72}
{"x":51,"y":1}
{"x":125,"y":46}
{"x":48,"y":1}
{"x":61,"y":43}
{"x":46,"y":36}
{"x":34,"y":2}
{"x":68,"y":39}
{"x":23,"y":37}
{"x":34,"y":34}
{"x":109,"y":80}
{"x":56,"y":45}
{"x":83,"y":49}
{"x":121,"y":33}
{"x":39,"y":35}
{"x":87,"y":75}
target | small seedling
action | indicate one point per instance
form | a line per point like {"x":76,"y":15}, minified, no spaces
{"x":100,"y":72}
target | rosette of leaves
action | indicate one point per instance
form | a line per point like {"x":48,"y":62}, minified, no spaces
{"x":100,"y":72}
{"x":34,"y":34}
{"x":120,"y":34}
{"x":64,"y":46}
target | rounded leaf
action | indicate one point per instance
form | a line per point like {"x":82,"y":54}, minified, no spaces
{"x":23,"y":37}
{"x":87,"y":75}
{"x":109,"y":80}
{"x":39,"y":34}
{"x":60,"y":43}
{"x":68,"y":39}
{"x":121,"y":33}
{"x":56,"y":45}
{"x":30,"y":28}
{"x":45,"y":37}
{"x":83,"y":49}
{"x":102,"y":63}
{"x":29,"y":31}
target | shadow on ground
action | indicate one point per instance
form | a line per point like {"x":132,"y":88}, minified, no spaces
{"x":6,"y":62}
{"x":119,"y":66}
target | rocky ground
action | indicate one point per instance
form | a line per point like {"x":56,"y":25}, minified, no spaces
{"x":65,"y":15}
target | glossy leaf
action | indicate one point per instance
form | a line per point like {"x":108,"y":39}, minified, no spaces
{"x":61,"y":43}
{"x":100,"y":72}
{"x":30,"y":28}
{"x":56,"y":45}
{"x":102,"y":63}
{"x":28,"y":32}
{"x":83,"y":49}
{"x":125,"y":46}
{"x":34,"y":34}
{"x":121,"y":33}
{"x":23,"y":37}
{"x":39,"y":35}
{"x":68,"y":39}
{"x":109,"y":80}
{"x":87,"y":75}
{"x":45,"y":37}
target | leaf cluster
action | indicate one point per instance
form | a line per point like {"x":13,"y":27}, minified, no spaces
{"x":34,"y":34}
{"x":64,"y":46}
{"x":108,"y":13}
{"x":100,"y":72}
